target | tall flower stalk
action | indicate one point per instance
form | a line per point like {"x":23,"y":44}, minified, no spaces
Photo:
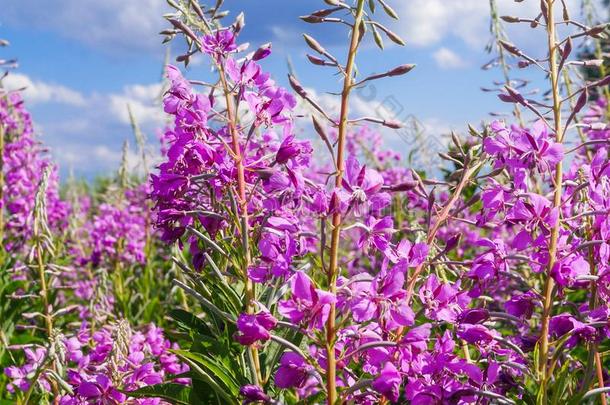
{"x":333,"y":268}
{"x":549,"y":285}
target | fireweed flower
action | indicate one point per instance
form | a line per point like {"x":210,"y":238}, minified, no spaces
{"x":473,"y":280}
{"x":521,"y":305}
{"x":383,"y":299}
{"x":377,"y":234}
{"x":442,"y":301}
{"x":388,"y":382}
{"x":361,"y":190}
{"x":253,"y":328}
{"x":24,"y":160}
{"x":306,"y":304}
{"x":219,"y":44}
{"x":293,"y":371}
{"x":517,"y":148}
{"x":562,"y":324}
{"x":536,"y":214}
{"x":253,"y":394}
{"x":100,"y":390}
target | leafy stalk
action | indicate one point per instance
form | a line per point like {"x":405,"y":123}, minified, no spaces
{"x":333,"y":270}
{"x":548,"y":296}
{"x":243,"y":204}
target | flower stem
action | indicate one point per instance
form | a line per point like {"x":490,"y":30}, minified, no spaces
{"x":557,"y":193}
{"x":333,"y":271}
{"x":243,"y":207}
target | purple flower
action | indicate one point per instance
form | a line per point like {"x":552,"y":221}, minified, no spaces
{"x":408,"y":254}
{"x":521,"y":305}
{"x":493,"y":261}
{"x":383,"y":299}
{"x":536,"y":214}
{"x":100,"y":390}
{"x":377,"y":233}
{"x":249,"y":74}
{"x":306,"y":303}
{"x":388,"y":382}
{"x":566,"y":271}
{"x":442,"y":301}
{"x":292,"y":372}
{"x":253,"y":393}
{"x":361,"y":188}
{"x":472,"y":334}
{"x":252,"y":328}
{"x":566,"y":323}
{"x":519,"y":148}
{"x":219,"y":44}
{"x":297,"y":152}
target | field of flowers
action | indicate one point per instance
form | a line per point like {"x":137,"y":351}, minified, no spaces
{"x":263,"y":263}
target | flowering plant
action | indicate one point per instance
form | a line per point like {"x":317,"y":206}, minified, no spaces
{"x":320,"y":269}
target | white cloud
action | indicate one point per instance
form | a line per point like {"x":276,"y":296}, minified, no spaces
{"x":143,"y":100}
{"x":86,"y":131}
{"x":429,"y":22}
{"x":37,"y":91}
{"x":447,"y":59}
{"x":109,"y":24}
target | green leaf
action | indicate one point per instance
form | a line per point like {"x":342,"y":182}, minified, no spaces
{"x":189,"y":322}
{"x":173,"y":393}
{"x":211,"y":366}
{"x":560,"y":385}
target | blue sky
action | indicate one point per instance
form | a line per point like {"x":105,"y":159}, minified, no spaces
{"x":84,"y":60}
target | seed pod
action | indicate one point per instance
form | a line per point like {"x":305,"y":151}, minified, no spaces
{"x":456,"y":141}
{"x":173,"y":4}
{"x":312,"y":19}
{"x":394,"y":124}
{"x":515,"y":95}
{"x":391,"y":35}
{"x":567,"y":49}
{"x":596,"y":31}
{"x":315,"y":60}
{"x":401,"y":70}
{"x":377,"y":37}
{"x":221,"y":15}
{"x":582,"y":100}
{"x":197,"y":8}
{"x":319,"y":129}
{"x":262,"y":52}
{"x":566,"y":15}
{"x":510,"y":19}
{"x":313,"y":44}
{"x":388,"y":10}
{"x":511,"y":48}
{"x":296,"y":86}
{"x":326,"y":12}
{"x":239,"y":23}
{"x":473,"y":131}
{"x":406,"y":186}
{"x":372,"y":6}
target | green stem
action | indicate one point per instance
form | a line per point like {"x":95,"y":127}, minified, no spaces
{"x":250,"y":293}
{"x":333,"y":271}
{"x":549,"y":284}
